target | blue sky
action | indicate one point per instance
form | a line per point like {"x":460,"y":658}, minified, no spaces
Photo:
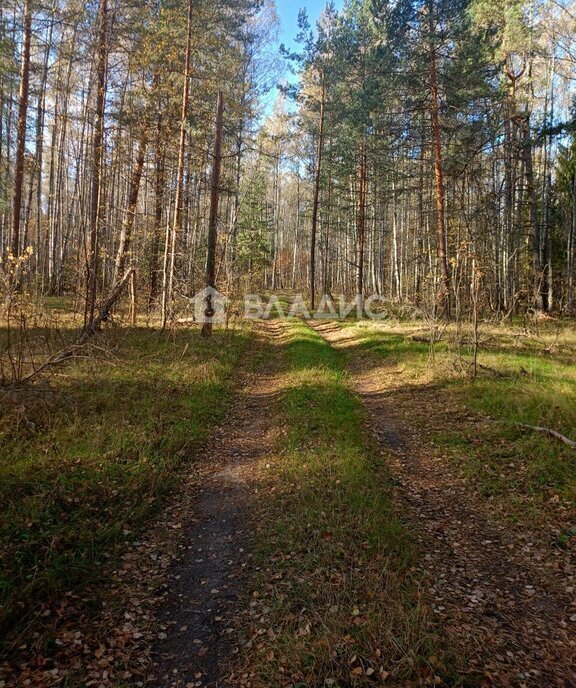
{"x":288,"y":13}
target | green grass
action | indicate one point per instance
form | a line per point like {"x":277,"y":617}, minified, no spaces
{"x":61,"y":303}
{"x":536,"y":385}
{"x":395,"y":347}
{"x":536,"y":464}
{"x":340,"y":603}
{"x":88,"y":459}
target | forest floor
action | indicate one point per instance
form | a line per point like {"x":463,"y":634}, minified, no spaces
{"x":503,"y":592}
{"x":197,"y":607}
{"x":344,"y":511}
{"x":94,"y":454}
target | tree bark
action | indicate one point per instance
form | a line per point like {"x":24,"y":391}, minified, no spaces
{"x":213,"y":220}
{"x":537,"y":272}
{"x":97,"y":167}
{"x":571,"y":249}
{"x":362,"y":221}
{"x":158,"y":212}
{"x":316,"y":200}
{"x":444,"y":295}
{"x":21,"y":133}
{"x":128,"y":224}
{"x":167,"y":293}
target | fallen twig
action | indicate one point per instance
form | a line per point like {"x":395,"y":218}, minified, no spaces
{"x":549,"y":431}
{"x":426,"y":340}
{"x":546,"y":431}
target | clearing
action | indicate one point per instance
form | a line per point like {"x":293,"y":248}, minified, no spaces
{"x":340,"y":513}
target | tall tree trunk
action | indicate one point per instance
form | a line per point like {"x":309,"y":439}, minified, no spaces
{"x":97,"y":167}
{"x":362,"y":221}
{"x":444,"y":295}
{"x":39,"y":152}
{"x":167,"y":293}
{"x":316,"y":202}
{"x":513,"y":128}
{"x":326,"y":281}
{"x":420,"y":258}
{"x":537,"y":273}
{"x":571,"y":250}
{"x":296,"y":234}
{"x":213,"y":219}
{"x":128,"y":224}
{"x":21,"y":132}
{"x":545,"y":228}
{"x":158,"y":211}
{"x":236,"y":207}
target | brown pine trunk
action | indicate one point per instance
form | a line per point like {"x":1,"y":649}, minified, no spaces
{"x":40,"y":118}
{"x":128,"y":224}
{"x":326,"y":266}
{"x":97,"y":167}
{"x":158,"y":210}
{"x":444,"y":295}
{"x":133,"y":299}
{"x":21,"y":130}
{"x":571,"y":250}
{"x":213,"y":219}
{"x":170,"y":257}
{"x":362,"y":221}
{"x":537,"y":273}
{"x":316,"y":201}
{"x":514,"y":196}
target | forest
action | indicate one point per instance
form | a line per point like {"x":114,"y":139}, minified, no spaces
{"x":287,"y":343}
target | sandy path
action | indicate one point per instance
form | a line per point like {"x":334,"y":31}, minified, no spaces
{"x":196,"y":616}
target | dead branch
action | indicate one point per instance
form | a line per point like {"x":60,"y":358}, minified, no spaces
{"x":87,"y":333}
{"x":550,"y":432}
{"x":545,"y":431}
{"x":426,"y":340}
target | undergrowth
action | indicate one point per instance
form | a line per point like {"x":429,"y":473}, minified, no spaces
{"x":89,"y":455}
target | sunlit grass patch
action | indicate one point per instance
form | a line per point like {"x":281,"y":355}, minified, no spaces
{"x":339,"y":601}
{"x":537,"y":464}
{"x":524,"y":379}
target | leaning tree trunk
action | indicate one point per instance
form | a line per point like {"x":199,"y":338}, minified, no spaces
{"x":128,"y":224}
